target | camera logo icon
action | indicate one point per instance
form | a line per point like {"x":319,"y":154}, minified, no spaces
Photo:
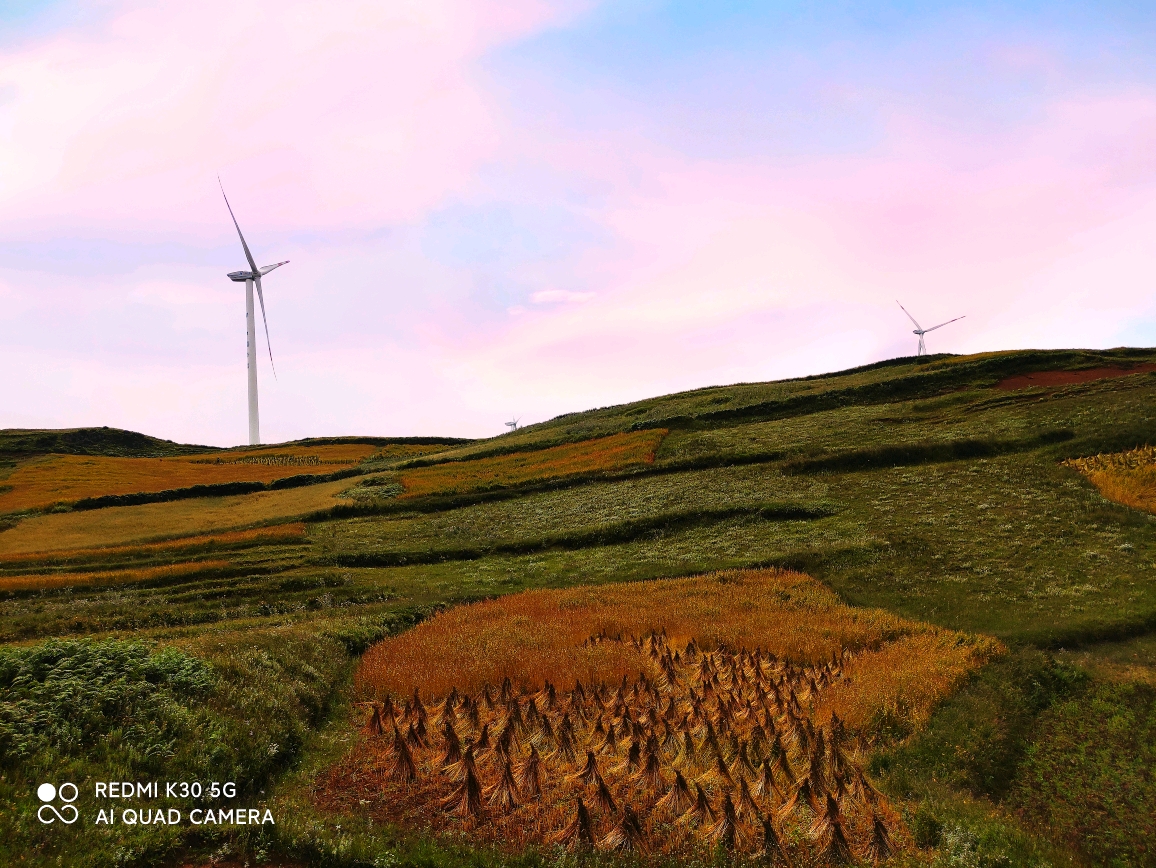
{"x":67,"y":812}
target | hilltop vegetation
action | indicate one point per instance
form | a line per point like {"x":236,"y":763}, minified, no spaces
{"x":956,"y":492}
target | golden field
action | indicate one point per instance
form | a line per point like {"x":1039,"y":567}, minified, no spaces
{"x":280,"y":533}
{"x":1125,"y":477}
{"x":617,"y":452}
{"x":146,"y":523}
{"x":729,"y":709}
{"x":102,"y":578}
{"x":42,"y":482}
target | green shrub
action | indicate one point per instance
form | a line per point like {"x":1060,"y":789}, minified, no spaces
{"x":74,"y":698}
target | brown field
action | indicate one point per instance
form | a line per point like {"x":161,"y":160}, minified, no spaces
{"x":1125,"y":477}
{"x":1068,"y":378}
{"x":280,"y":533}
{"x":122,"y":525}
{"x":67,"y":478}
{"x":102,"y":578}
{"x":616,"y":452}
{"x":730,"y":709}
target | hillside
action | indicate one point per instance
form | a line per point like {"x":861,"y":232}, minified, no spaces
{"x":227,"y":598}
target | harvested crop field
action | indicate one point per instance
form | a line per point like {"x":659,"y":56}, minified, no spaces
{"x":105,"y":578}
{"x":68,"y":478}
{"x":121,"y":525}
{"x":730,"y":709}
{"x":281,"y":533}
{"x":1125,"y":477}
{"x":617,"y":452}
{"x":1067,"y":378}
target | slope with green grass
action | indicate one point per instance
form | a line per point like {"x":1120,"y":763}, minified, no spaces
{"x":912,"y":485}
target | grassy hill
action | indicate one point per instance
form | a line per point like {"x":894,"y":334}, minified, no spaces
{"x":215,"y":631}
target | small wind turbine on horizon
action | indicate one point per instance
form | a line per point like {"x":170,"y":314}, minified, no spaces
{"x":250,"y":277}
{"x":513,"y":426}
{"x":921,"y":331}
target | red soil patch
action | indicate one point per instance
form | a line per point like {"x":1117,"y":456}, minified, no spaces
{"x":1067,"y":378}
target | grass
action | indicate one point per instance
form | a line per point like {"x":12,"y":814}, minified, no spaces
{"x":1088,"y":777}
{"x":922,"y":491}
{"x":83,"y":710}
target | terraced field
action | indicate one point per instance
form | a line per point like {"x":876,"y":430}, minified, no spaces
{"x":1000,"y":499}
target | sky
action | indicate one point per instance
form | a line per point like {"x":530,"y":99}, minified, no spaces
{"x":523,"y":208}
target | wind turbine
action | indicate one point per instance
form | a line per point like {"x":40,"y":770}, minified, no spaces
{"x":921,"y":331}
{"x":250,"y":277}
{"x":513,"y":426}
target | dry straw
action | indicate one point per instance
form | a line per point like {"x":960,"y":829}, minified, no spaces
{"x":616,"y":452}
{"x":1125,"y":477}
{"x":726,"y":711}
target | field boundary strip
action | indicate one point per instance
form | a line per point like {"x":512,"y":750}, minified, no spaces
{"x":186,"y":545}
{"x":104,"y":578}
{"x":612,"y":534}
{"x":913,"y":454}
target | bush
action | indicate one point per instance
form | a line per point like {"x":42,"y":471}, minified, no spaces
{"x":74,"y":698}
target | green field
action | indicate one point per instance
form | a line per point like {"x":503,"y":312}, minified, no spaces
{"x":915,"y":486}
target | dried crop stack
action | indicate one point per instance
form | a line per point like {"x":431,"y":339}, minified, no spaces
{"x":701,"y":749}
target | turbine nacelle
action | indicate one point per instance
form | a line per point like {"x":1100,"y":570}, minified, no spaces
{"x":242,"y":276}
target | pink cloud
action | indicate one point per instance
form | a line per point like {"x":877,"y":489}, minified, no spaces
{"x":360,"y":115}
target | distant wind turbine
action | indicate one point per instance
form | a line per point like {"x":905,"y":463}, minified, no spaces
{"x":921,"y":331}
{"x":513,"y":426}
{"x":250,"y":277}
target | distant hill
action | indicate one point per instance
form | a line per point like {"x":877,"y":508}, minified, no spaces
{"x":21,"y":442}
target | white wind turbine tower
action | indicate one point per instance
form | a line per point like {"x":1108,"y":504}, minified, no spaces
{"x":921,"y":331}
{"x":513,"y":426}
{"x":250,"y":277}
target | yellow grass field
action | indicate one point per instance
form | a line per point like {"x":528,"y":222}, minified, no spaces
{"x":617,"y":452}
{"x":108,"y":577}
{"x":280,"y":533}
{"x":731,"y":709}
{"x":42,"y":482}
{"x":1125,"y":477}
{"x":122,"y":525}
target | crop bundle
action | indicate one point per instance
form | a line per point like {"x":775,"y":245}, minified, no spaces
{"x":1126,"y":477}
{"x":703,"y":748}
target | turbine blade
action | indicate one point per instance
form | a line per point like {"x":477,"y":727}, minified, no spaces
{"x":902,"y":308}
{"x":248,"y":255}
{"x":265,"y":269}
{"x":942,"y":324}
{"x":261,"y":297}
